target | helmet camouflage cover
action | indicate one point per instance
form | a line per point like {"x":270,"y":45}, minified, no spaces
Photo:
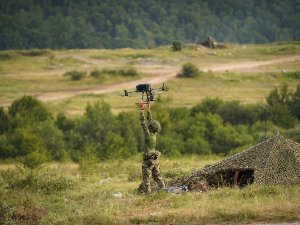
{"x":154,"y":126}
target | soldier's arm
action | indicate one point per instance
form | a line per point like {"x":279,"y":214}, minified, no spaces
{"x":142,"y":118}
{"x":149,"y":116}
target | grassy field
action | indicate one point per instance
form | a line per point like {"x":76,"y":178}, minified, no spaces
{"x":22,"y":72}
{"x":68,"y":193}
{"x":246,"y":88}
{"x":71,"y":194}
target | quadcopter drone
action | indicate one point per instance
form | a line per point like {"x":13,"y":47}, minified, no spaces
{"x":145,"y":89}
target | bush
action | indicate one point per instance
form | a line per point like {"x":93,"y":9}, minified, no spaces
{"x":34,"y":160}
{"x":294,"y":75}
{"x":9,"y":55}
{"x":76,"y":75}
{"x":121,"y":72}
{"x":129,"y":72}
{"x":30,"y":109}
{"x":177,"y":46}
{"x":189,"y":70}
{"x":35,"y":52}
{"x":95,"y":73}
{"x":45,"y":181}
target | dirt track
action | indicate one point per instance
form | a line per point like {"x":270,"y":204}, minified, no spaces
{"x":160,"y":76}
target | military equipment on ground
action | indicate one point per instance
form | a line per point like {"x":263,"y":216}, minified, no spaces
{"x":145,"y":89}
{"x":209,"y":42}
{"x":275,"y":161}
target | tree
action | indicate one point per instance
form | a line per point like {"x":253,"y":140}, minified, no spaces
{"x":295,"y":106}
{"x":189,"y":70}
{"x":177,"y":46}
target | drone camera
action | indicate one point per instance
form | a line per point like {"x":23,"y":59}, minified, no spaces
{"x":143,"y":87}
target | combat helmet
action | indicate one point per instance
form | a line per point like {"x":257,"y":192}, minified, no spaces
{"x":154,"y":126}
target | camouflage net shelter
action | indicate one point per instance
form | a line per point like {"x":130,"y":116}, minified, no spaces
{"x":275,"y":161}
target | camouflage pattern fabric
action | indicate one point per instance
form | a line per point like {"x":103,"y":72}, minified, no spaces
{"x":275,"y":161}
{"x":154,"y":126}
{"x":151,"y":166}
{"x":150,"y":163}
{"x":150,"y":138}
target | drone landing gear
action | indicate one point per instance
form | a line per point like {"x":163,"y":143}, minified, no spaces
{"x":149,"y":98}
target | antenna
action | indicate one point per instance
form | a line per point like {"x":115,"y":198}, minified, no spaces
{"x":265,"y":120}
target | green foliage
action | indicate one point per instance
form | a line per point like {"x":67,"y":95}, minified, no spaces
{"x":87,"y":163}
{"x":102,"y":25}
{"x":282,"y":117}
{"x":121,"y":72}
{"x":189,"y":70}
{"x":30,"y":134}
{"x":95,"y":73}
{"x":294,"y":75}
{"x":34,"y":159}
{"x":75,"y":75}
{"x":176,"y":46}
{"x":7,"y":55}
{"x":47,"y":182}
{"x":53,"y":139}
{"x":208,"y":105}
{"x":295,"y":106}
{"x":284,"y":106}
{"x":139,"y":55}
{"x":29,"y":109}
{"x":35,"y":52}
{"x":129,"y":72}
{"x":282,"y":97}
{"x":235,"y":113}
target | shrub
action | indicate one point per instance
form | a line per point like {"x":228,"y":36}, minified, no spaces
{"x":189,"y":70}
{"x":35,"y":52}
{"x":129,"y":72}
{"x":34,"y":160}
{"x":121,"y":72}
{"x":294,"y":75}
{"x":177,"y":46}
{"x":30,"y":109}
{"x":9,"y":55}
{"x":95,"y":73}
{"x":45,"y":181}
{"x":75,"y":75}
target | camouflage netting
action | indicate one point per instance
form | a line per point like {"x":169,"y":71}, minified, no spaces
{"x":275,"y":161}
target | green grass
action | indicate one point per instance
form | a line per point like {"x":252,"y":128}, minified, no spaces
{"x":64,"y":195}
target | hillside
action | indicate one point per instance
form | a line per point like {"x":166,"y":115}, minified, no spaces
{"x":98,"y":24}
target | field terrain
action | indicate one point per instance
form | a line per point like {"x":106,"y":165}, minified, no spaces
{"x":248,"y":71}
{"x":65,"y":192}
{"x":71,"y":194}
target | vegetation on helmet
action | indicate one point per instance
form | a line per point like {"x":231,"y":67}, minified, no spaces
{"x":154,"y":126}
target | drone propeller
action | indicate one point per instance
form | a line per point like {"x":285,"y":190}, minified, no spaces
{"x":162,"y":88}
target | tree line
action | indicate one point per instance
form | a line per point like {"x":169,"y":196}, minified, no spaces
{"x":30,"y":133}
{"x":74,"y":24}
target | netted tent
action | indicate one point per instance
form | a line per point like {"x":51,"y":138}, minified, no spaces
{"x":275,"y":161}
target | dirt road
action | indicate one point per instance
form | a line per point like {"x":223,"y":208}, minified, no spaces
{"x":159,"y":76}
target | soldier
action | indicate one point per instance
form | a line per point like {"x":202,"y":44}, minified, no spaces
{"x":150,"y":155}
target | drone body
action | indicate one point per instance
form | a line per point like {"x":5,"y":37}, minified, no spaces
{"x":145,"y":89}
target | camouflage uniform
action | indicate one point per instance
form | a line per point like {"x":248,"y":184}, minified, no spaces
{"x":150,"y":156}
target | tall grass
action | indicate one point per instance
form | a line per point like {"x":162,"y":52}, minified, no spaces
{"x":86,"y":201}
